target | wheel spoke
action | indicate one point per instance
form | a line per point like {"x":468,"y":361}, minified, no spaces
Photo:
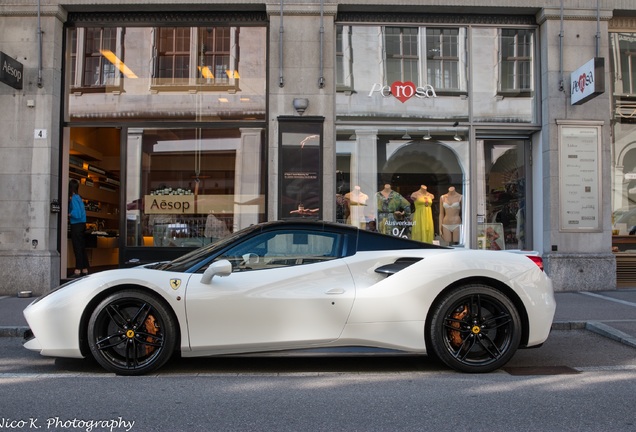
{"x":493,"y":354}
{"x":118,"y":341}
{"x":499,"y":321}
{"x":116,"y":316}
{"x":131,"y":354}
{"x":144,"y":339}
{"x":143,"y":312}
{"x":463,"y":347}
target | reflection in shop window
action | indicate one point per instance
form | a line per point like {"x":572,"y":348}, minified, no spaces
{"x":90,"y":68}
{"x":201,"y":56}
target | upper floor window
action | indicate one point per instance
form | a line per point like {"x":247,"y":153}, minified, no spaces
{"x":623,"y":55}
{"x":344,"y":64}
{"x":401,"y":54}
{"x":515,"y":67}
{"x":196,"y":56}
{"x":443,"y":58}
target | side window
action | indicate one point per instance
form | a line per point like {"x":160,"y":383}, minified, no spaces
{"x":283,"y":249}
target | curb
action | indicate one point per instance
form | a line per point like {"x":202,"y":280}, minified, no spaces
{"x":611,"y":333}
{"x":569,"y":325}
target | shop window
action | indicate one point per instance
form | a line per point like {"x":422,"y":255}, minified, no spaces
{"x":515,"y":67}
{"x":344,"y":67}
{"x":401,"y":54}
{"x":443,"y":60}
{"x":205,"y":56}
{"x":182,"y":189}
{"x":94,"y":56}
{"x":410,"y":185}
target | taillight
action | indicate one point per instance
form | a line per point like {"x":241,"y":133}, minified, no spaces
{"x":537,"y":260}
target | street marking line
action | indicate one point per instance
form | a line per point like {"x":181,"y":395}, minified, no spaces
{"x":624,"y":302}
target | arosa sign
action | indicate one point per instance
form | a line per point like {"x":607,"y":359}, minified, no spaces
{"x":588,"y":81}
{"x":10,"y":71}
{"x":403,"y":91}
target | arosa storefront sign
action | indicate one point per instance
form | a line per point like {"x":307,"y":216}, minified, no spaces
{"x":403,"y":91}
{"x":10,"y":71}
{"x":588,"y":81}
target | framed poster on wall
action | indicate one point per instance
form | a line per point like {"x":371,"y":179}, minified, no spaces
{"x":579,"y":176}
{"x":300,"y":178}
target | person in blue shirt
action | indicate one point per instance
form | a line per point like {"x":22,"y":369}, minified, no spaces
{"x":77,"y":219}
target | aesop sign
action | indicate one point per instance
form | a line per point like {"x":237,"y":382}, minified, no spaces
{"x":10,"y":71}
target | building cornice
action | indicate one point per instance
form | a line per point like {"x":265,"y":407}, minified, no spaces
{"x":550,"y":14}
{"x":29,"y":11}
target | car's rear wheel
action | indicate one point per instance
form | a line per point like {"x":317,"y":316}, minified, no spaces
{"x":131,"y":333}
{"x":474,"y":328}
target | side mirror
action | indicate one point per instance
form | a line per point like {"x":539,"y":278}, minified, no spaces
{"x":219,"y":268}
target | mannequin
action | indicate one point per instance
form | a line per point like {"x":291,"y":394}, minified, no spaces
{"x":423,"y":229}
{"x":356,"y":200}
{"x":450,"y":216}
{"x":392,"y":209}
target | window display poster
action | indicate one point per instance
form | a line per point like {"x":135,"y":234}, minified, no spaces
{"x":300,"y":177}
{"x":579,"y":177}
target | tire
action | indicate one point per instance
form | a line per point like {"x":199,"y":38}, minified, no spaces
{"x":474,"y":329}
{"x":131,"y":333}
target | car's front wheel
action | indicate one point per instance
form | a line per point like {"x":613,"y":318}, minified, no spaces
{"x":474,"y":328}
{"x":131,"y":333}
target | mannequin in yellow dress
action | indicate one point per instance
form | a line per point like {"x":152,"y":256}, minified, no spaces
{"x":423,"y":229}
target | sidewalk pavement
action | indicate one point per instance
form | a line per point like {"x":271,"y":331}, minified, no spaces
{"x":609,"y":313}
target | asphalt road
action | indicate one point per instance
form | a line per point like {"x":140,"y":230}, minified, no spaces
{"x":578,"y":381}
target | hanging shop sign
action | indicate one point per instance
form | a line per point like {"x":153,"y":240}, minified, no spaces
{"x":588,"y":81}
{"x":403,"y":91}
{"x":10,"y":71}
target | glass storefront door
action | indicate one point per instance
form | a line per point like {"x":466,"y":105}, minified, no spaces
{"x":502,"y":194}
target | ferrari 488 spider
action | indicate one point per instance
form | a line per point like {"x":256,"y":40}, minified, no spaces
{"x":283,"y":286}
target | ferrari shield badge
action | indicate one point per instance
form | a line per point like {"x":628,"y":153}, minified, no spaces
{"x":175,"y":283}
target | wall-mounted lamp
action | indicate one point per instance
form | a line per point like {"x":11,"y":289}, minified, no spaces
{"x":300,"y":105}
{"x":406,"y":135}
{"x":457,"y":137}
{"x":427,"y":136}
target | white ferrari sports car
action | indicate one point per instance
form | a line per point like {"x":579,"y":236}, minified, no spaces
{"x":289,"y":286}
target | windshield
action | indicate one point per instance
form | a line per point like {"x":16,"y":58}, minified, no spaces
{"x":187,"y":261}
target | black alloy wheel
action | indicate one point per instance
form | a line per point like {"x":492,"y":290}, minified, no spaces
{"x":474,"y":328}
{"x":131,"y":333}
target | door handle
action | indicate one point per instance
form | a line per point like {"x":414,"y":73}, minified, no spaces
{"x":336,"y":291}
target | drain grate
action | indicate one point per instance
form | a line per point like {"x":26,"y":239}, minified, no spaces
{"x":541,"y":370}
